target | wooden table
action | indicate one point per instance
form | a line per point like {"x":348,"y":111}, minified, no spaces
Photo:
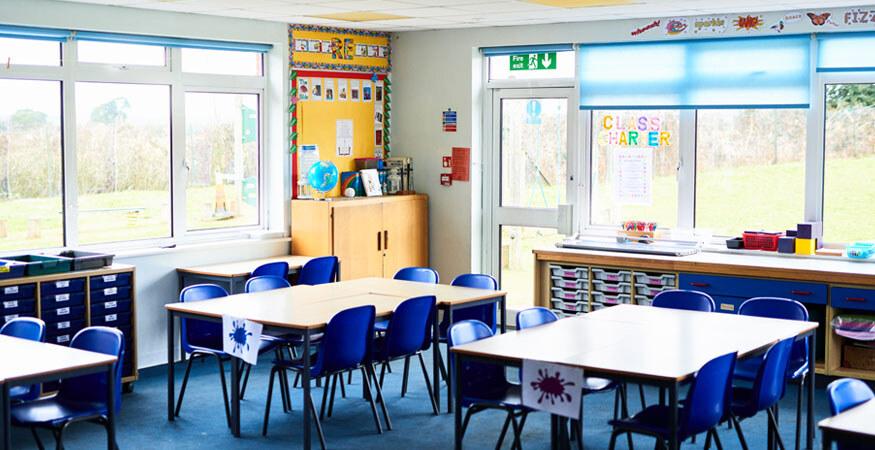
{"x":28,"y":362}
{"x":655,"y":346}
{"x":234,"y":273}
{"x":855,"y":426}
{"x":306,"y":310}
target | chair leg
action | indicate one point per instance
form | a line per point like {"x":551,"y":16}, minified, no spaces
{"x":333,"y":381}
{"x":224,"y":389}
{"x":708,"y":440}
{"x":504,"y":430}
{"x":285,"y":392}
{"x":799,"y":409}
{"x":625,"y":412}
{"x":737,"y":425}
{"x":773,"y":420}
{"x":366,"y":385}
{"x":382,"y":401}
{"x":467,"y":419}
{"x":312,"y":409}
{"x":184,"y":384}
{"x":717,"y":442}
{"x":519,"y":443}
{"x":273,"y":371}
{"x":342,"y":384}
{"x":613,"y":443}
{"x":324,"y":399}
{"x":382,"y":373}
{"x":441,"y":365}
{"x":517,"y":432}
{"x":39,"y":442}
{"x":245,"y":381}
{"x":434,"y":406}
{"x":406,"y":373}
{"x":643,"y":400}
{"x":59,"y":437}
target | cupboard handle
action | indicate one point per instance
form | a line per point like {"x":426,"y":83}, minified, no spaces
{"x":855,"y":299}
{"x":386,"y":239}
{"x":697,"y":284}
{"x":804,"y":293}
{"x":379,"y":242}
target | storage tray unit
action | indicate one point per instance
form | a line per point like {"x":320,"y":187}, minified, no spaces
{"x":569,"y":289}
{"x":648,"y":284}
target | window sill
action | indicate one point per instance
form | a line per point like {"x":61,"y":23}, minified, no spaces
{"x":204,"y":245}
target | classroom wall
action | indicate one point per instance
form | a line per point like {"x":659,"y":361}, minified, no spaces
{"x":156,"y":274}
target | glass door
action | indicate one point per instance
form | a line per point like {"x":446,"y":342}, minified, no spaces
{"x":530,"y":173}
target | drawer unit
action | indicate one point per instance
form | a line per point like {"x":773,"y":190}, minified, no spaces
{"x":110,"y":294}
{"x":566,"y":271}
{"x":563,"y":314}
{"x":111,"y":307}
{"x":111,"y":320}
{"x":852,"y":298}
{"x":651,"y":291}
{"x":64,"y":326}
{"x":655,"y":280}
{"x":115,"y":279}
{"x":614,"y":275}
{"x":643,"y":300}
{"x":62,"y":286}
{"x":18,"y":291}
{"x":569,"y":283}
{"x":63,"y":314}
{"x":608,"y":299}
{"x":611,"y":288}
{"x":62,"y":300}
{"x":804,"y":292}
{"x":569,"y":294}
{"x":7,"y":317}
{"x":18,"y":306}
{"x":62,"y":338}
{"x":568,"y":306}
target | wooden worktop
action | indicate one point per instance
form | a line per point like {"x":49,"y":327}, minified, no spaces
{"x":109,"y":270}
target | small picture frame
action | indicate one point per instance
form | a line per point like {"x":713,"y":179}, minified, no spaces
{"x":371,"y":182}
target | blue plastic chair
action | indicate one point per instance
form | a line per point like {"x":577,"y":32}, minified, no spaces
{"x":684,"y":299}
{"x":81,"y":398}
{"x":33,"y":330}
{"x":420,"y":274}
{"x":345,"y":346}
{"x":274,"y":269}
{"x":702,"y":411}
{"x":844,"y":394}
{"x":484,"y":386}
{"x":779,"y":308}
{"x":533,"y":317}
{"x":266,"y":283}
{"x":319,"y":270}
{"x":767,"y":390}
{"x":409,"y":328}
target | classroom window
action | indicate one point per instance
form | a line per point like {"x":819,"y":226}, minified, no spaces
{"x":221,"y":62}
{"x":536,"y":66}
{"x":120,"y":54}
{"x":849,"y":141}
{"x":750,"y":169}
{"x":31,"y":202}
{"x":222,"y":153}
{"x":29,"y":52}
{"x":122,"y":161}
{"x":635,"y":157}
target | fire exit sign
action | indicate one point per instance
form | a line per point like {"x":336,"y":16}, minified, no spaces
{"x":533,"y":61}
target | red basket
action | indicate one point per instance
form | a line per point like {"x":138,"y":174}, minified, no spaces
{"x":761,"y":240}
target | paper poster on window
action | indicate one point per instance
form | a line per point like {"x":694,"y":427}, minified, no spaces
{"x":344,"y":137}
{"x":329,"y":90}
{"x":633,"y":176}
{"x":316,"y":89}
{"x":552,"y":387}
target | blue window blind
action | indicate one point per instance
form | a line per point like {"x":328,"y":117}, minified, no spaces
{"x":170,"y":41}
{"x":43,"y":34}
{"x":845,"y":52}
{"x":525,"y":49}
{"x":771,"y":72}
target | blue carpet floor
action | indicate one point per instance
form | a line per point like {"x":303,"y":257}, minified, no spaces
{"x":143,"y":423}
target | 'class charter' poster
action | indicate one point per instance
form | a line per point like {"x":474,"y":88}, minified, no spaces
{"x":633,"y":130}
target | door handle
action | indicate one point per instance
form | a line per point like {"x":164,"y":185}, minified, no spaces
{"x":386,"y":239}
{"x":802,"y":293}
{"x":697,"y":284}
{"x":379,"y":242}
{"x":855,"y":299}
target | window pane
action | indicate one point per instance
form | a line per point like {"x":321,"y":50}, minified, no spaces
{"x":533,"y":152}
{"x":518,"y":264}
{"x":31,"y":206}
{"x":634,"y":167}
{"x":750,"y":170}
{"x":221,"y":62}
{"x":30,"y":52}
{"x":221,"y":150}
{"x":850,"y":162}
{"x":499,"y":68}
{"x":127,"y":54}
{"x":123,"y":161}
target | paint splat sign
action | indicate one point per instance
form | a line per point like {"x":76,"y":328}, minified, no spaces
{"x":748,"y":23}
{"x":241,"y":338}
{"x":552,"y":387}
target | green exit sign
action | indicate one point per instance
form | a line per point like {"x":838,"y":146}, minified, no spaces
{"x":533,"y":61}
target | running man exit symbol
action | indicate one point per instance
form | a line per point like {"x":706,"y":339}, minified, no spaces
{"x":533,"y":61}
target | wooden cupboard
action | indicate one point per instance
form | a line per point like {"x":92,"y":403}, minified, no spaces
{"x":371,"y":236}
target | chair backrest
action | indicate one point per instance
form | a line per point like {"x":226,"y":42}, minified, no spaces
{"x":319,"y":270}
{"x":771,"y":377}
{"x":266,"y":283}
{"x":25,"y":328}
{"x":780,"y":308}
{"x":420,"y":274}
{"x":347,"y":340}
{"x":92,"y":388}
{"x":534,"y":317}
{"x":274,"y":269}
{"x":475,"y":378}
{"x":484,"y":313}
{"x":846,"y":393}
{"x":684,"y":299}
{"x":708,"y":395}
{"x":201,"y":333}
{"x":409,"y":326}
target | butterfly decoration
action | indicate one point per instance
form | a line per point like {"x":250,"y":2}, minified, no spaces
{"x":819,"y":20}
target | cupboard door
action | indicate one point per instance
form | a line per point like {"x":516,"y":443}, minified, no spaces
{"x":358,"y":240}
{"x":406,"y":234}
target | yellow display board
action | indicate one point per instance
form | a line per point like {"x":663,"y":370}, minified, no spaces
{"x":325,"y":48}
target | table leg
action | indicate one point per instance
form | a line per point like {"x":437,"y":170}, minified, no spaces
{"x":110,"y":410}
{"x":5,"y":427}
{"x":826,"y":437}
{"x":809,"y":435}
{"x":454,"y":373}
{"x":171,"y":390}
{"x":673,"y":443}
{"x":450,"y":381}
{"x":502,"y":305}
{"x":435,"y":359}
{"x":232,"y":284}
{"x":305,"y":383}
{"x":235,"y":397}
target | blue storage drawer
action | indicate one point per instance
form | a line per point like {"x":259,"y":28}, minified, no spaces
{"x":110,"y":293}
{"x":17,"y":306}
{"x":116,"y":279}
{"x":62,"y":300}
{"x":62,"y":338}
{"x":111,"y":307}
{"x":62,"y":286}
{"x":63,"y":314}
{"x":7,"y":317}
{"x":18,"y":291}
{"x":713,"y":285}
{"x":853,"y":298}
{"x":64,"y":326}
{"x":111,"y":320}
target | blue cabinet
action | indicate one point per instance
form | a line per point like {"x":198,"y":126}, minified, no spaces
{"x":719,"y":285}
{"x":853,"y":298}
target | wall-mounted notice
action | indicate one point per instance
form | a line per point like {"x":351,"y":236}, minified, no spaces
{"x":461,"y":162}
{"x":344,"y":137}
{"x":449,"y":120}
{"x":633,"y":176}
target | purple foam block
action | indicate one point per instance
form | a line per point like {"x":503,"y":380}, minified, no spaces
{"x":791,"y":233}
{"x":787,"y":244}
{"x":809,"y":230}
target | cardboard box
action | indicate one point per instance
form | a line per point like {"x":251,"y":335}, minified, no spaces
{"x":805,"y":246}
{"x":856,"y":356}
{"x":787,"y":244}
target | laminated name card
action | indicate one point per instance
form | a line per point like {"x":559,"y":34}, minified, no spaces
{"x":241,"y":338}
{"x":552,"y":387}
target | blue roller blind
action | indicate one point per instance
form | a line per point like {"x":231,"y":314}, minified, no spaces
{"x":43,"y":34}
{"x":525,"y":49}
{"x":771,"y":72}
{"x":170,"y":41}
{"x":845,"y":52}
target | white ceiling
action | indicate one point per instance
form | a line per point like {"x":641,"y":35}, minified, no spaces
{"x":444,"y":14}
